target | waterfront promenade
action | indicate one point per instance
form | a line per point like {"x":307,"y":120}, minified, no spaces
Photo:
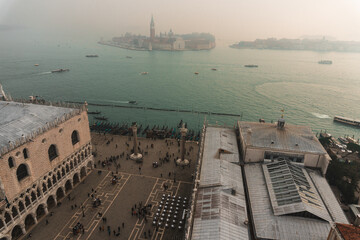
{"x":137,"y":183}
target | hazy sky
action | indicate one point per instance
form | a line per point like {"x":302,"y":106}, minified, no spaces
{"x":228,"y":20}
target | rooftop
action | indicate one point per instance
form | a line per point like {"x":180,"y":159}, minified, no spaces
{"x":290,"y":138}
{"x":348,"y":232}
{"x":299,"y":219}
{"x":21,"y":121}
{"x":291,"y":190}
{"x":220,"y":207}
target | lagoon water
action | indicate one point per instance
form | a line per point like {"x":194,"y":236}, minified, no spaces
{"x":310,"y":93}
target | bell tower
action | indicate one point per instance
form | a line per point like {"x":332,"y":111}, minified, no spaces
{"x":152,"y":28}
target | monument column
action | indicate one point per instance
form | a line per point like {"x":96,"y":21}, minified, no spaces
{"x":136,"y":155}
{"x":182,"y":161}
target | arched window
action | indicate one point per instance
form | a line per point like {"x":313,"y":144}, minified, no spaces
{"x":22,"y":172}
{"x":11,"y":162}
{"x":74,"y":137}
{"x":52,"y":152}
{"x":26,"y":153}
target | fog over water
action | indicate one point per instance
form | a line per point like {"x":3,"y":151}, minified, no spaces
{"x":230,"y":20}
{"x":59,"y":33}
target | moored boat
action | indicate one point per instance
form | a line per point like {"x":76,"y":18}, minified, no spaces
{"x":92,"y":55}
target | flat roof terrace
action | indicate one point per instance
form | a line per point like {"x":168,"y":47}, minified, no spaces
{"x":137,"y":183}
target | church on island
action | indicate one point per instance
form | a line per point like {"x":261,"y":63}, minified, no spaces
{"x":164,"y":41}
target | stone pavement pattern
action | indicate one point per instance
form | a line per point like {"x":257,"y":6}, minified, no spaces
{"x":144,"y":184}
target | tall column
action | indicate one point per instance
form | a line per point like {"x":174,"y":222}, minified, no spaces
{"x":136,"y":155}
{"x":183,"y":132}
{"x":182,"y":161}
{"x":134,"y":129}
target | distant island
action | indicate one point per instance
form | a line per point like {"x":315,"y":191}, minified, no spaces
{"x":300,"y":44}
{"x":165,"y":41}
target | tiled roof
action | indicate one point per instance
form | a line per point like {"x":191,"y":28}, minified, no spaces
{"x":348,"y":232}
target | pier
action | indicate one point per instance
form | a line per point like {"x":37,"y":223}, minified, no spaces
{"x":160,"y":109}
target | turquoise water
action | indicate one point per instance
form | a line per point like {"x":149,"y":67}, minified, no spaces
{"x":310,"y":93}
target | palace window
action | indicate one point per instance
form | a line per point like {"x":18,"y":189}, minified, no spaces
{"x":52,"y":152}
{"x":22,"y":172}
{"x":11,"y":162}
{"x":74,"y":137}
{"x":26,"y":153}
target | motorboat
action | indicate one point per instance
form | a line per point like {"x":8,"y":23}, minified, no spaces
{"x":96,"y":112}
{"x":251,"y":66}
{"x":102,"y":118}
{"x":60,"y":70}
{"x":325,"y":62}
{"x":92,"y":55}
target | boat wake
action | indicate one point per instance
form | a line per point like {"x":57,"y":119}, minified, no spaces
{"x":319,"y":115}
{"x":43,"y":73}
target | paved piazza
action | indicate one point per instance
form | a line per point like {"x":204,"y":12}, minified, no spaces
{"x":136,"y":184}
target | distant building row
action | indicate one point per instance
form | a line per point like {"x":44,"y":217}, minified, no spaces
{"x":167,"y":41}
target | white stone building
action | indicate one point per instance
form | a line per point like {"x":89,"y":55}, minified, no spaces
{"x":44,"y":152}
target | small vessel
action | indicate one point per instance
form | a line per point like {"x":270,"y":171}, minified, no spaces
{"x":60,"y":70}
{"x":144,"y":73}
{"x":214,"y":69}
{"x":128,"y":57}
{"x":196,"y":73}
{"x":343,"y":140}
{"x":132,"y":102}
{"x":102,"y":118}
{"x":325,"y":62}
{"x":251,"y":66}
{"x":92,"y":55}
{"x":96,"y":112}
{"x":348,"y":121}
{"x":36,"y":65}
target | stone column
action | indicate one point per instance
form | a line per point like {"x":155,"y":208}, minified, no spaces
{"x":23,"y":229}
{"x":134,"y":129}
{"x":136,"y":155}
{"x":183,"y":132}
{"x":46,"y":210}
{"x":182,"y":161}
